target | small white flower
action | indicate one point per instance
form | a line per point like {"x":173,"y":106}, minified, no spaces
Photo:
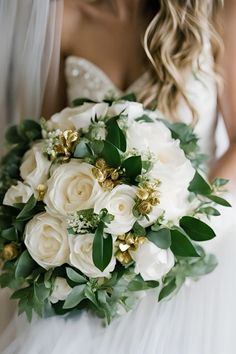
{"x":119,"y":203}
{"x":72,"y":187}
{"x":81,"y":256}
{"x":61,"y":290}
{"x":35,"y":166}
{"x":47,"y":241}
{"x":19,"y":193}
{"x":151,"y":262}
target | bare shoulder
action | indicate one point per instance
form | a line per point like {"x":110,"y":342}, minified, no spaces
{"x":73,"y":18}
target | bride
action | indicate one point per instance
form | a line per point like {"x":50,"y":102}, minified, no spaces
{"x":167,"y":53}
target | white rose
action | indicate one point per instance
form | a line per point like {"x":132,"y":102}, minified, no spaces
{"x":35,"y":167}
{"x":132,"y":109}
{"x":151,"y":262}
{"x":145,"y":137}
{"x":175,"y":173}
{"x":81,"y":256}
{"x":171,"y":167}
{"x":20,"y":193}
{"x":119,"y":203}
{"x":61,"y":290}
{"x":72,"y":187}
{"x":61,"y":120}
{"x":86,"y":112}
{"x":47,"y":241}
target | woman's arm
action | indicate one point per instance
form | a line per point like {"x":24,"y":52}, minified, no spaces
{"x":55,"y":93}
{"x":226,"y":165}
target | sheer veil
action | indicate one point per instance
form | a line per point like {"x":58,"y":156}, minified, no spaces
{"x":30,"y":32}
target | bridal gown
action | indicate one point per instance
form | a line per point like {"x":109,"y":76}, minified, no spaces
{"x":201,"y":318}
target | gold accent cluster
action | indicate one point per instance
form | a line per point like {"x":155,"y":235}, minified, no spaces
{"x":41,"y":190}
{"x":65,"y":145}
{"x":148,"y":197}
{"x":126,"y":243}
{"x":9,"y":252}
{"x":106,"y":176}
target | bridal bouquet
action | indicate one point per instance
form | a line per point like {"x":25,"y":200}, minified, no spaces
{"x":100,"y":204}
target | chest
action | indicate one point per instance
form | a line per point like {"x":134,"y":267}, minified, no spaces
{"x":114,"y":46}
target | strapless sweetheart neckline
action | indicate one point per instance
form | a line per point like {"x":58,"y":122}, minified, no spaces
{"x":104,"y":76}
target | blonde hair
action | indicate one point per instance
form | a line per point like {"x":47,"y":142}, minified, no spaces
{"x":173,"y":42}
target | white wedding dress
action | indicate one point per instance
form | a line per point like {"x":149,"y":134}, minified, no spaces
{"x":201,"y":318}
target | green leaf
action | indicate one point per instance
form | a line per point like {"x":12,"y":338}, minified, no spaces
{"x":138,"y":284}
{"x":75,"y":277}
{"x":209,"y":211}
{"x":115,"y":135}
{"x":5,"y":222}
{"x":41,"y":292}
{"x":219,"y":200}
{"x":97,"y":146}
{"x":12,"y":136}
{"x":10,"y":234}
{"x":129,"y":97}
{"x":132,"y":166}
{"x":82,"y":150}
{"x":196,"y":229}
{"x":75,"y":297}
{"x":90,"y":295}
{"x":199,"y":185}
{"x":111,"y":154}
{"x":144,"y":118}
{"x":80,"y":101}
{"x":102,"y":248}
{"x":167,"y":290}
{"x":31,"y":203}
{"x":22,"y":293}
{"x":161,"y":238}
{"x":139,"y":230}
{"x":25,"y":265}
{"x":220,"y":182}
{"x":181,"y":244}
{"x":29,"y":130}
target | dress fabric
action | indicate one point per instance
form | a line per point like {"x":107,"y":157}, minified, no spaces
{"x":200,"y":318}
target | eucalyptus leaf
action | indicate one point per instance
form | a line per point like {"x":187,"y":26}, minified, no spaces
{"x":75,"y":276}
{"x":167,"y":290}
{"x":209,"y":211}
{"x":82,"y":150}
{"x":75,"y":297}
{"x":219,"y":200}
{"x":138,"y":230}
